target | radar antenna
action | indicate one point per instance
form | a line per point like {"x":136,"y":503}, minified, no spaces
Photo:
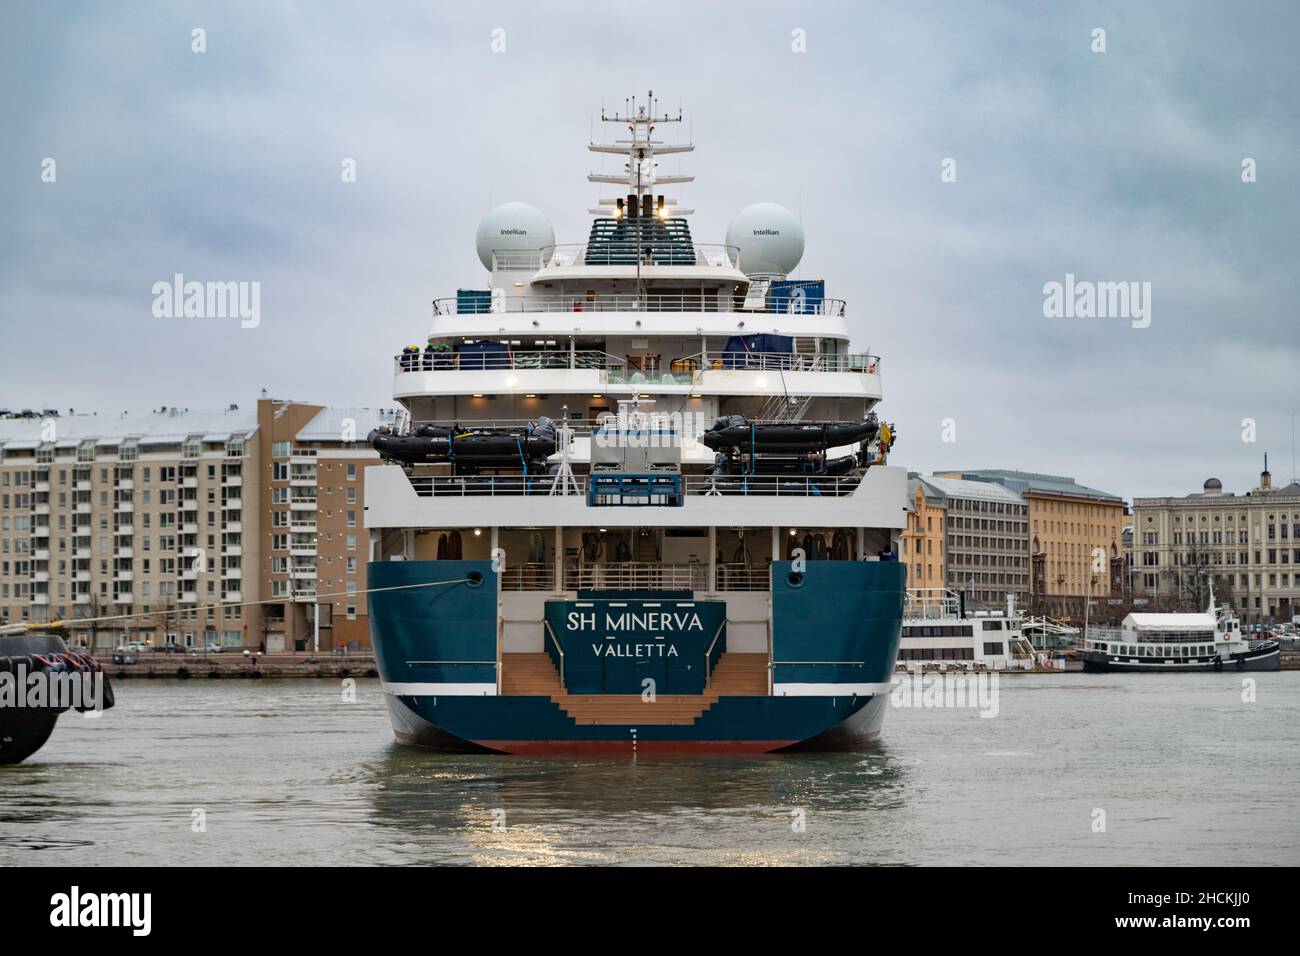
{"x":639,"y":174}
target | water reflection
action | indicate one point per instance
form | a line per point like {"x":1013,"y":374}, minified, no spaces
{"x":660,"y":808}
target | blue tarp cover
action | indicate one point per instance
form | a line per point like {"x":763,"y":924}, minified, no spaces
{"x":483,"y":355}
{"x":740,"y":347}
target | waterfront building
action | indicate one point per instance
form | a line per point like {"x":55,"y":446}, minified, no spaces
{"x":175,"y":524}
{"x":1246,"y":546}
{"x":1075,"y":539}
{"x":921,"y":545}
{"x":986,"y":545}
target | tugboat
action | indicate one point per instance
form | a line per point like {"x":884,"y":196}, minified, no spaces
{"x":1210,"y":641}
{"x":40,"y":678}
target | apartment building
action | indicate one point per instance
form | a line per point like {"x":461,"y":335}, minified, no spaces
{"x":173,"y":527}
{"x":986,"y":538}
{"x":1247,"y":547}
{"x":1076,"y":538}
{"x":921,"y":545}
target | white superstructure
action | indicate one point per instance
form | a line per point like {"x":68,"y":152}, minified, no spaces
{"x":640,"y":317}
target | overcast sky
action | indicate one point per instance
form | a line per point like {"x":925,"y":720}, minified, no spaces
{"x":1117,"y":166}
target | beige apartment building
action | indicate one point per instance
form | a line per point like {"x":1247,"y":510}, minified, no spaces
{"x":922,"y":542}
{"x":173,"y":527}
{"x":1247,"y":547}
{"x":1075,"y":539}
{"x":986,"y":539}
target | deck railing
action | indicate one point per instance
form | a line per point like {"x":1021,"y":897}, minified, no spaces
{"x":491,"y":486}
{"x":646,"y":302}
{"x":637,"y":575}
{"x":774,"y":486}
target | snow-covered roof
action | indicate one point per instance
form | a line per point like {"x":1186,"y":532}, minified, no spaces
{"x":978,"y":490}
{"x":150,"y":427}
{"x":329,"y":423}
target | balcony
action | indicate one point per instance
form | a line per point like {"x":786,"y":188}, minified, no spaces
{"x":190,"y":481}
{"x":41,"y":486}
{"x":233,"y":527}
{"x":189,"y":597}
{"x":81,"y":599}
{"x":81,"y":575}
{"x":81,"y":485}
{"x":232,"y":549}
{"x":41,"y":509}
{"x":124,"y":576}
{"x":41,"y":554}
{"x":232,"y":481}
{"x":82,"y":507}
{"x":124,"y":507}
{"x":126,"y":484}
{"x":304,"y":524}
{"x":232,"y":573}
{"x":189,"y":527}
{"x":82,"y":553}
{"x":125,"y":552}
{"x":306,"y":573}
{"x":302,"y":550}
{"x":232,"y":597}
{"x":303,"y":505}
{"x":232,"y":504}
{"x":41,"y":531}
{"x":42,"y":599}
{"x":41,"y":577}
{"x":123,"y":597}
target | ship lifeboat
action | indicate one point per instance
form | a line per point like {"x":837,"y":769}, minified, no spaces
{"x":478,"y":448}
{"x":735,"y":433}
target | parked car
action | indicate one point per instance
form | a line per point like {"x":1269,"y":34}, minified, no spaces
{"x":207,"y":648}
{"x":167,"y":649}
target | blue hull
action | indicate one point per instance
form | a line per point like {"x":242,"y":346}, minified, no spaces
{"x":835,"y":635}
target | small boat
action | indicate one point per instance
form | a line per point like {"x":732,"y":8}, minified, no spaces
{"x":524,"y":448}
{"x":1173,"y":643}
{"x":33,"y":660}
{"x":735,"y":432}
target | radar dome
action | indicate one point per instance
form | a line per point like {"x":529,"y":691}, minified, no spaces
{"x":769,"y":237}
{"x":512,"y":227}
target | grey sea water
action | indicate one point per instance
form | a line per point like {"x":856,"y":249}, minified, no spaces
{"x":285,"y":772}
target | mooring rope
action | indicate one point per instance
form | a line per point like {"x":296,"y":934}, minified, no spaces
{"x":78,"y":621}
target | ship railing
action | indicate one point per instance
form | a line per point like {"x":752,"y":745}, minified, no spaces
{"x":742,"y":577}
{"x":654,"y":252}
{"x":637,"y":575}
{"x":708,"y":655}
{"x":778,"y":361}
{"x":559,"y":650}
{"x":780,"y":486}
{"x":528,"y":577}
{"x":929,"y":603}
{"x":564,"y":359}
{"x":692,"y":302}
{"x":491,"y":486}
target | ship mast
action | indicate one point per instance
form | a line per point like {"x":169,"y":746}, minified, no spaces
{"x":639,"y":175}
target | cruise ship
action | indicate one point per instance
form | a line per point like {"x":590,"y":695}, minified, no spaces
{"x":639,"y":498}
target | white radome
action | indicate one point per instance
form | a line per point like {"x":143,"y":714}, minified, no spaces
{"x":769,"y":238}
{"x":512,"y":227}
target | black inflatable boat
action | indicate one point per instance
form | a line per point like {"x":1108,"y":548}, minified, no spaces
{"x":40,"y":678}
{"x":734,"y":432}
{"x":525,"y":447}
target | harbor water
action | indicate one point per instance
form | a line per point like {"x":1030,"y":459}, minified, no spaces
{"x":1073,"y":769}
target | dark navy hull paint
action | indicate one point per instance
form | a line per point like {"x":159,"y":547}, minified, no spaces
{"x":1264,"y":659}
{"x":837,"y":625}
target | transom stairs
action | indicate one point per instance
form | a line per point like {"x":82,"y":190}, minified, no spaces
{"x":734,"y":675}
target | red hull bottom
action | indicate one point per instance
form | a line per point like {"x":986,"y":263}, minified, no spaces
{"x":628,"y":747}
